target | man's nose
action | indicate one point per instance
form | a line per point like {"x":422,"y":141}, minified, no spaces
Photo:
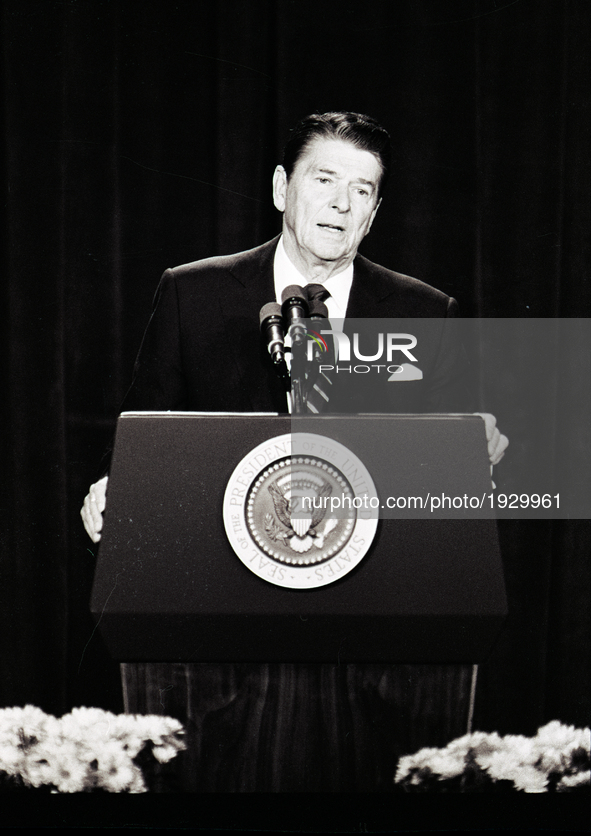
{"x":341,"y":200}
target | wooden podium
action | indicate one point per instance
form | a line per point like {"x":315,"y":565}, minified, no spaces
{"x":291,"y":689}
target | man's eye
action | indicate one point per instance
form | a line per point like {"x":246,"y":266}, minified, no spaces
{"x":363,"y":192}
{"x":324,"y":180}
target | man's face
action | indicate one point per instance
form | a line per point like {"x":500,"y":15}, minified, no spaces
{"x":329,"y":201}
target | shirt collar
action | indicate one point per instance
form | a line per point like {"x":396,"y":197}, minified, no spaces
{"x":339,"y":285}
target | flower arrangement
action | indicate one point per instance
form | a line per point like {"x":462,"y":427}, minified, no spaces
{"x":555,"y":760}
{"x":86,"y":750}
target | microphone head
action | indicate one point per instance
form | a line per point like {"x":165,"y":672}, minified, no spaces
{"x":269,"y":310}
{"x":294,"y":291}
{"x":318,"y":309}
{"x":294,"y":302}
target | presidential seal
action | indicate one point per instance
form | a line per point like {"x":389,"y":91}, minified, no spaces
{"x":300,"y":510}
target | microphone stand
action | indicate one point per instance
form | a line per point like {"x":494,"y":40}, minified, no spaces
{"x":283,"y":374}
{"x":294,"y":307}
{"x":298,"y":376}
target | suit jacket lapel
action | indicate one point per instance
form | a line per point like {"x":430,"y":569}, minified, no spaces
{"x":254,"y":287}
{"x":367,"y":291}
{"x":254,"y":271}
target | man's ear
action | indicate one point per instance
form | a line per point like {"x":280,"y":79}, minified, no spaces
{"x":279,"y":188}
{"x":373,"y":214}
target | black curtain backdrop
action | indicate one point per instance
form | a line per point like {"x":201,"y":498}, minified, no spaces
{"x":140,"y":135}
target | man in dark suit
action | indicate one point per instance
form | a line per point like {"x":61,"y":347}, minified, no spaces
{"x":202,"y":349}
{"x":291,"y":727}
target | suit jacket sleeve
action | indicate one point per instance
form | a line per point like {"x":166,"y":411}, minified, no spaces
{"x":158,"y":382}
{"x":450,"y":387}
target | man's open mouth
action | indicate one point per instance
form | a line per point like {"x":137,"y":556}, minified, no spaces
{"x":333,"y":227}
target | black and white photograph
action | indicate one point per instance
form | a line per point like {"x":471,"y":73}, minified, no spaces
{"x":297,"y":417}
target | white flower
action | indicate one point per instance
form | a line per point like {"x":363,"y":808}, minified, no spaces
{"x":529,"y":779}
{"x":116,"y":772}
{"x":408,"y":763}
{"x":526,"y":762}
{"x":56,"y":762}
{"x":571,"y":782}
{"x":556,"y":734}
{"x":11,"y":756}
{"x":163,"y":754}
{"x":555,"y":746}
{"x":448,"y":765}
{"x":508,"y":765}
{"x":86,"y":749}
{"x":474,"y":740}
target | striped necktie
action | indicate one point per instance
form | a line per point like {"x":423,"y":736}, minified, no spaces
{"x":319,"y":394}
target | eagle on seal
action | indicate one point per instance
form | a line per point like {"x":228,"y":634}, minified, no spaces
{"x":303,"y":533}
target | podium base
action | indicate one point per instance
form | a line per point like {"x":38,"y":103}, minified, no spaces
{"x":278,"y":727}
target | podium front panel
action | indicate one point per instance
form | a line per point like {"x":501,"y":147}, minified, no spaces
{"x":169,"y":586}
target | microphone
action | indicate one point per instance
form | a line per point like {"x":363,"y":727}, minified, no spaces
{"x":272,"y":330}
{"x":294,"y":308}
{"x":318,"y":310}
{"x":318,"y":315}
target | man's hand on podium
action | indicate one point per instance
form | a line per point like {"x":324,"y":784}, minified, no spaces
{"x":92,"y":510}
{"x":497,"y":443}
